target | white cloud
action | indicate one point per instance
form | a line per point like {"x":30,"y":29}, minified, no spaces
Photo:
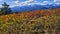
{"x":48,"y":2}
{"x":27,"y":2}
{"x":32,"y":2}
{"x":57,"y":2}
{"x":17,"y":2}
{"x":45,"y":3}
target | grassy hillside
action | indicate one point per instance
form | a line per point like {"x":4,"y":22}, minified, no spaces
{"x":36,"y":22}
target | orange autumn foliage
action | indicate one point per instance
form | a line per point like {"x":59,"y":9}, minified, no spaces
{"x":39,"y":12}
{"x":35,"y":12}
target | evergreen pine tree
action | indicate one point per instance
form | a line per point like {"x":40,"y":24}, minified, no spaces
{"x":5,"y":8}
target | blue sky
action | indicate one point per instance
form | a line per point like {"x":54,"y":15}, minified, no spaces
{"x":13,"y":3}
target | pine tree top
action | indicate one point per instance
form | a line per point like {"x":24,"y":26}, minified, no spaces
{"x":5,"y":4}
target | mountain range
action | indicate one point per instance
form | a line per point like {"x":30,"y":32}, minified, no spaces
{"x":34,"y":7}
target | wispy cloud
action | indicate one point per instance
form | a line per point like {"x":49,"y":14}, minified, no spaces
{"x":27,"y":2}
{"x":32,"y":2}
{"x":57,"y":2}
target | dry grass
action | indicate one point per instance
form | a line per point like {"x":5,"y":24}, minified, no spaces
{"x":22,"y":24}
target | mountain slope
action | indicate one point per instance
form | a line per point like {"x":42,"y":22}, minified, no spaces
{"x":34,"y":7}
{"x":37,"y":13}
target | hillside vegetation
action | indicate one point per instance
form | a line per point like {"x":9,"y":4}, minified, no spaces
{"x":35,"y":22}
